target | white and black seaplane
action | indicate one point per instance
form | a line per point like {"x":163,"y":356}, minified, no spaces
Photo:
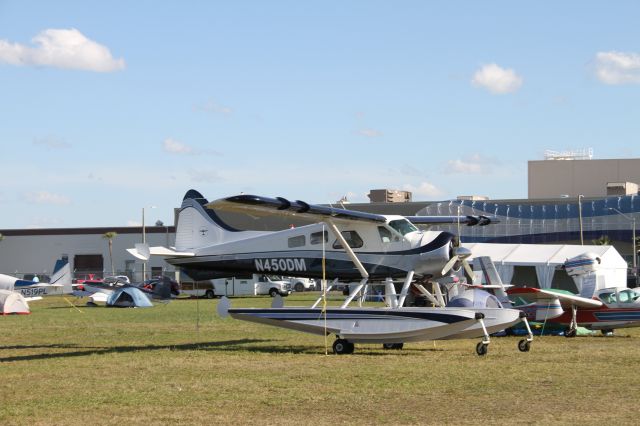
{"x":343,"y":245}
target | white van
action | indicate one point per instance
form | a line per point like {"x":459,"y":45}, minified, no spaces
{"x":252,"y":285}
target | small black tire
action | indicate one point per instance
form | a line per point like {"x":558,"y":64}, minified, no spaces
{"x":481,"y":349}
{"x":299,"y":287}
{"x":524,"y":345}
{"x":209,"y":294}
{"x":274,"y":292}
{"x":342,"y":347}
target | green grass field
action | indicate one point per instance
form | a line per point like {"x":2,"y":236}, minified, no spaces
{"x":155,"y":366}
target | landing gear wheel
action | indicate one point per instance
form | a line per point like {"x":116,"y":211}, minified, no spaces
{"x":342,"y":347}
{"x":524,"y":345}
{"x":392,"y":346}
{"x":481,"y":349}
{"x":570,"y":332}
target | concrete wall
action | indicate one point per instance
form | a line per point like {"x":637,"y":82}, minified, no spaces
{"x":35,"y":251}
{"x":553,"y":178}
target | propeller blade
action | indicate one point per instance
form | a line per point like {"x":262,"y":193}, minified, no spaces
{"x":468,"y":268}
{"x":449,"y":265}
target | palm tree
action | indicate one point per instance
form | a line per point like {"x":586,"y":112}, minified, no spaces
{"x":604,"y":240}
{"x":110,"y":236}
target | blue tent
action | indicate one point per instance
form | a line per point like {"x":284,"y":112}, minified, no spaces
{"x":129,"y":297}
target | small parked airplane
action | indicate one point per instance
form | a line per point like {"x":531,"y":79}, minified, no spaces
{"x":99,"y":292}
{"x":345,"y":245}
{"x":608,"y":309}
{"x":33,"y":290}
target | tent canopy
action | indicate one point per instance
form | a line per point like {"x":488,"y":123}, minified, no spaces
{"x":546,"y":258}
{"x":129,"y":297}
{"x":13,"y":303}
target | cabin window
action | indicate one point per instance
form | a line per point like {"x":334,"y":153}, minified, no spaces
{"x":385,"y":234}
{"x":297,"y":241}
{"x":352,"y":238}
{"x":316,"y":237}
{"x":608,"y":297}
{"x":403,"y":226}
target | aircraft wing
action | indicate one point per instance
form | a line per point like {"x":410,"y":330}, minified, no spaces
{"x":263,"y":206}
{"x":565,"y":298}
{"x":453,"y":220}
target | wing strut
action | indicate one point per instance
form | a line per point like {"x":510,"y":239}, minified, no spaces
{"x":405,"y":288}
{"x":354,"y":293}
{"x":347,"y":248}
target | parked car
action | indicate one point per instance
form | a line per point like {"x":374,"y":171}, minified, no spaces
{"x":302,"y":284}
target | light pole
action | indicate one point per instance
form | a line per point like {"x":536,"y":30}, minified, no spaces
{"x":144,"y":241}
{"x":580,"y":217}
{"x":633,"y":236}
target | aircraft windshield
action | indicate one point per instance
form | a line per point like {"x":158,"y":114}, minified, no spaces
{"x":628,"y":296}
{"x":403,"y":226}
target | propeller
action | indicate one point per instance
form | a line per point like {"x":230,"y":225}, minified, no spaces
{"x":459,"y":257}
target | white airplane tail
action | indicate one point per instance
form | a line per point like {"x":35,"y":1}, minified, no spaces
{"x":198,"y":226}
{"x":492,"y":278}
{"x":62,"y":276}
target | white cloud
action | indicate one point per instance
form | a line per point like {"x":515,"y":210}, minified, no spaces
{"x":176,"y":147}
{"x":212,"y":106}
{"x":61,"y":48}
{"x":44,"y":197}
{"x":424,"y":189}
{"x":618,"y":67}
{"x":131,"y":222}
{"x":497,"y":80}
{"x":370,"y":133}
{"x":51,"y":142}
{"x":475,"y":164}
{"x":173,"y":146}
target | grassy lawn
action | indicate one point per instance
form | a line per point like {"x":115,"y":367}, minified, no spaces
{"x":162,"y":365}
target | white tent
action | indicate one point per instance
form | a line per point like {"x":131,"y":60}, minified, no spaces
{"x":12,"y":303}
{"x":546,"y":258}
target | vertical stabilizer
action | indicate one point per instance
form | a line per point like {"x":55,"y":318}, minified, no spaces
{"x":62,"y":276}
{"x":198,"y":226}
{"x":491,"y":277}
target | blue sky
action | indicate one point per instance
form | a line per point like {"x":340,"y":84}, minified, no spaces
{"x":108,"y":107}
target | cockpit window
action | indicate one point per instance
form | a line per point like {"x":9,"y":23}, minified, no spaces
{"x":403,"y":226}
{"x":627,"y":296}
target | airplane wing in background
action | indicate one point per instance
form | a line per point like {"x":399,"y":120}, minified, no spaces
{"x":566,"y":299}
{"x":453,"y":220}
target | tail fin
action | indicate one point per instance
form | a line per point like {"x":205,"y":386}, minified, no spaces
{"x":62,"y":276}
{"x":198,"y":226}
{"x":492,"y":278}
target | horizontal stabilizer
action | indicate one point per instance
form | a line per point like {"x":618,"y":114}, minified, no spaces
{"x":144,"y":252}
{"x":565,"y":298}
